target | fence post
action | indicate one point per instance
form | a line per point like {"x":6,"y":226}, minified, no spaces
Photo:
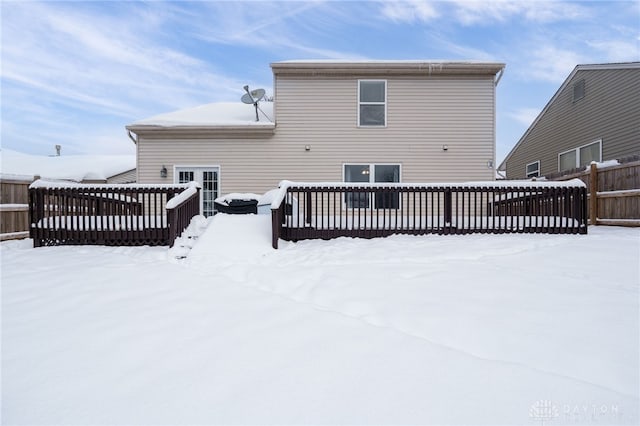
{"x":447,"y":207}
{"x":172,"y":221}
{"x":593,"y":193}
{"x":307,"y":200}
{"x":276,"y":225}
{"x":35,"y":216}
{"x":583,"y":209}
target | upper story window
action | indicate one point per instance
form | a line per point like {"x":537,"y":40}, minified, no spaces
{"x":372,"y":103}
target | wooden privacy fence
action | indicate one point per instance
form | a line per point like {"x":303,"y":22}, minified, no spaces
{"x":14,"y":206}
{"x":613,"y":191}
{"x":114,"y":215}
{"x":324,"y":211}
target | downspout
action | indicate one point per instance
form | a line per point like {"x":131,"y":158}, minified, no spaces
{"x":135,"y":141}
{"x":499,"y":77}
{"x":495,"y":84}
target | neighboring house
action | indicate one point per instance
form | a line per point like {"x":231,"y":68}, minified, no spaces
{"x":594,"y":116}
{"x":76,"y":168}
{"x":128,"y":176}
{"x":369,"y":121}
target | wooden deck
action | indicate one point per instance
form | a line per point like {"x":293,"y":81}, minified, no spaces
{"x":312,"y":211}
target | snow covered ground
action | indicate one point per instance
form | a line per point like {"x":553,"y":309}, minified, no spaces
{"x":475,"y":329}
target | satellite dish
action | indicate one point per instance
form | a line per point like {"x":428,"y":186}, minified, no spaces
{"x":257,"y":94}
{"x":253,"y":97}
{"x":247,"y":99}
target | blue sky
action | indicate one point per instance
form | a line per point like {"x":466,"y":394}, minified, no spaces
{"x":75,"y":73}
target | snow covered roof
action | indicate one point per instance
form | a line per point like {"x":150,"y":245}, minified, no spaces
{"x":77,"y":168}
{"x":218,"y":114}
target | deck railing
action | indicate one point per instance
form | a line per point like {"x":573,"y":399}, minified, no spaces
{"x":181,"y":209}
{"x":64,"y":213}
{"x":330,"y":210}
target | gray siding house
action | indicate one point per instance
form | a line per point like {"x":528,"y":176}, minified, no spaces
{"x":369,"y":121}
{"x":594,"y":116}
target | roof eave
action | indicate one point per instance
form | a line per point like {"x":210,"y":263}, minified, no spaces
{"x":387,"y":68}
{"x":200,"y":131}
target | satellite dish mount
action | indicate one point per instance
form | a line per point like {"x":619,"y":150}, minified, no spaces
{"x":253,"y":97}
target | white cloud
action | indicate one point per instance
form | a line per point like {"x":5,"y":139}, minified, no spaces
{"x":525,"y":115}
{"x":550,"y":63}
{"x":617,"y":50}
{"x":409,"y":11}
{"x":272,"y":26}
{"x":471,"y":12}
{"x":462,"y":51}
{"x":88,"y":59}
{"x":483,"y":12}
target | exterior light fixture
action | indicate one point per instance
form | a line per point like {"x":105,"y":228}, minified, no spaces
{"x":163,"y":172}
{"x":445,"y":147}
{"x":307,"y":147}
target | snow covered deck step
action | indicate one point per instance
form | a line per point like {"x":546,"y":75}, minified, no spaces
{"x":232,"y":239}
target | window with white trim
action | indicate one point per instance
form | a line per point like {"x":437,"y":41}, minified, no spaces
{"x":371,"y":173}
{"x":372,"y":103}
{"x":581,"y":156}
{"x":533,"y":169}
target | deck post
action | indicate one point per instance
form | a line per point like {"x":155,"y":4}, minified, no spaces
{"x":307,"y":208}
{"x":583,"y":207}
{"x":593,"y":193}
{"x":276,"y":225}
{"x":447,"y":210}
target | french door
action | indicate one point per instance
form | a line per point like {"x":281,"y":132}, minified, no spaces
{"x":209,"y":180}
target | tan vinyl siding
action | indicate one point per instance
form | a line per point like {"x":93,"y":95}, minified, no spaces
{"x":610,"y":110}
{"x":423,"y":115}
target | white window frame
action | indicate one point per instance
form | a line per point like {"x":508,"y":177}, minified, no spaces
{"x":530,"y":174}
{"x":206,"y":167}
{"x":372,"y":175}
{"x":374,"y":126}
{"x":577,"y":151}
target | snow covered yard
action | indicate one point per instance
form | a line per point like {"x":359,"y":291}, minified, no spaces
{"x":475,"y":329}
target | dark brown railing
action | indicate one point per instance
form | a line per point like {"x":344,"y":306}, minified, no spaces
{"x":180,"y":210}
{"x":113,"y":215}
{"x":313,"y":211}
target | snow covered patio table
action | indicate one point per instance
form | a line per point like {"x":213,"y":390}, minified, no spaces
{"x":474,"y":329}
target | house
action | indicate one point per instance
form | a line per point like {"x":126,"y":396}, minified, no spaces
{"x":352,"y":121}
{"x":594,"y":116}
{"x":90,"y":168}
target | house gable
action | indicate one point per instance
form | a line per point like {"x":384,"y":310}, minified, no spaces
{"x":595,"y":103}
